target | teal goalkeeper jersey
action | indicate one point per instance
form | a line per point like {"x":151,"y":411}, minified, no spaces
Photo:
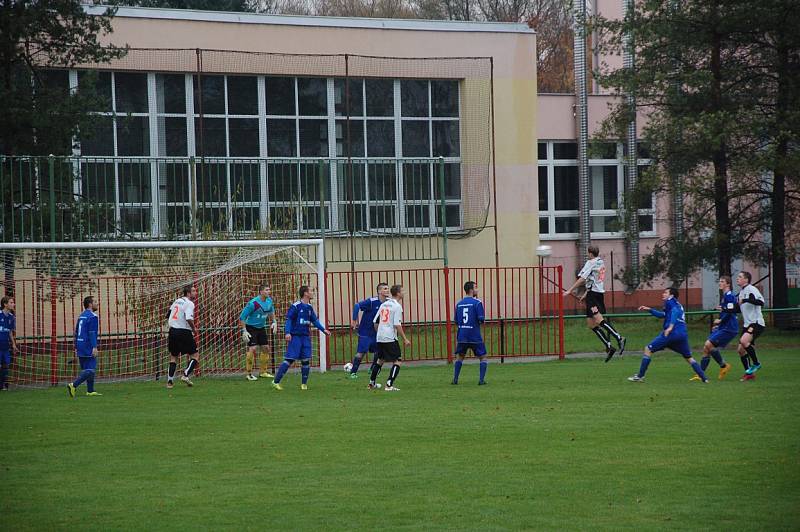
{"x":256,"y":311}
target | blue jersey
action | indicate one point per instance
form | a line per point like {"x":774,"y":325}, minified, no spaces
{"x":86,"y":333}
{"x":256,"y":311}
{"x":727,"y":315}
{"x":469,"y":316}
{"x":369,"y":308}
{"x":299,"y":318}
{"x":673,"y":315}
{"x":8,"y":323}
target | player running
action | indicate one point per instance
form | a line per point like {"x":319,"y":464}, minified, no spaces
{"x":388,"y":323}
{"x":253,"y":321}
{"x":750,"y":303}
{"x":8,"y":337}
{"x":674,"y":336}
{"x":593,"y":276}
{"x":366,"y":330}
{"x":181,"y":338}
{"x":86,"y":330}
{"x":725,"y":329}
{"x":469,"y":316}
{"x":299,"y":319}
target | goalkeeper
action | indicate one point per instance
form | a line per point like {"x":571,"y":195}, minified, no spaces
{"x":253,"y":321}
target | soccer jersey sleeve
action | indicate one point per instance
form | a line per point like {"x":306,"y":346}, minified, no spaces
{"x":315,"y":320}
{"x":586,"y":270}
{"x":248,"y":309}
{"x":397,"y":316}
{"x":656,"y":313}
{"x":188,"y":311}
{"x":481,"y":315}
{"x":92,"y":329}
{"x":291,"y":315}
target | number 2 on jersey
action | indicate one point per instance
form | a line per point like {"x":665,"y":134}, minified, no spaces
{"x":175,"y":315}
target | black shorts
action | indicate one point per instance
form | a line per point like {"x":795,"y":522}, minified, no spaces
{"x":258,"y":336}
{"x":755,"y":330}
{"x":388,"y":351}
{"x":181,"y":341}
{"x":594,"y":304}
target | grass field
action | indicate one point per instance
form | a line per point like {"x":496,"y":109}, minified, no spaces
{"x":550,"y":445}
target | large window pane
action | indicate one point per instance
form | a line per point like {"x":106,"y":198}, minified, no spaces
{"x":312,"y":96}
{"x":353,"y":217}
{"x":380,"y":138}
{"x":351,"y":182}
{"x":418,"y":216}
{"x":382,"y":217}
{"x":135,"y":220}
{"x":55,"y":83}
{"x":568,"y":224}
{"x":356,"y":136}
{"x":212,"y":101}
{"x":283,"y":218}
{"x":313,"y":138}
{"x":99,"y":85}
{"x":282,"y":182}
{"x":605,"y":224}
{"x":133,"y":135}
{"x":212,"y":219}
{"x":542,"y":151}
{"x":174,"y":135}
{"x":544,"y":225}
{"x":444,"y":94}
{"x":380,"y":97}
{"x":243,"y":135}
{"x":565,"y":150}
{"x":246,"y":219}
{"x":382,"y":182}
{"x":171,"y":93}
{"x":212,"y":183}
{"x":242,"y":95}
{"x":281,"y":140}
{"x":646,"y":223}
{"x":313,"y":218}
{"x":452,"y":181}
{"x":178,"y":220}
{"x":446,"y":139}
{"x":603,"y":187}
{"x":212,"y":141}
{"x":245,"y":182}
{"x":416,"y":181}
{"x":416,"y":140}
{"x":131,"y":92}
{"x":98,"y":182}
{"x":99,"y":139}
{"x":543,"y":197}
{"x":355,"y":89}
{"x":134,"y":182}
{"x":566,"y":188}
{"x":453,"y":214}
{"x":177,"y":182}
{"x":280,"y":96}
{"x":414,"y":98}
{"x":311,"y":181}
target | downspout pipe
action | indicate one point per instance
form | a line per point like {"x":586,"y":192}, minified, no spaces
{"x":632,"y":171}
{"x":582,"y":125}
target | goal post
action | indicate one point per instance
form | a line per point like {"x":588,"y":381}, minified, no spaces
{"x":134,"y":283}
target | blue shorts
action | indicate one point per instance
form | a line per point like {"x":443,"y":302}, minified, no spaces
{"x":478,"y":350}
{"x":721,"y":338}
{"x":677,"y":343}
{"x":5,"y":357}
{"x":299,"y":348}
{"x":367,"y":344}
{"x":89,"y":362}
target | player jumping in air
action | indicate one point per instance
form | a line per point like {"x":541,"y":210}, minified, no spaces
{"x":725,"y":329}
{"x":593,"y":276}
{"x":181,"y":339}
{"x":750,"y":303}
{"x":469,"y":316}
{"x":366,"y":330}
{"x":253,"y":321}
{"x":8,"y":338}
{"x":86,"y":330}
{"x":299,"y":319}
{"x":388,"y":323}
{"x":674,"y":336}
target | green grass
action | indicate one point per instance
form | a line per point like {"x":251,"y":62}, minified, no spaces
{"x":552,"y":445}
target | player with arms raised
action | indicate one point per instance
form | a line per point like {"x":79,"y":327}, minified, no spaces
{"x":366,"y":330}
{"x":181,"y":338}
{"x":593,"y":275}
{"x":725,"y":329}
{"x":469,"y":316}
{"x":86,"y":330}
{"x":388,"y":323}
{"x":750,"y":303}
{"x":253,"y":321}
{"x":8,"y":338}
{"x":299,"y":319}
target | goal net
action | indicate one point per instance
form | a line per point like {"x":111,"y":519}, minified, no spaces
{"x":135,"y":283}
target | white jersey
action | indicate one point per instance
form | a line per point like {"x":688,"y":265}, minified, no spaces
{"x":594,"y":271}
{"x":751,"y":313}
{"x":390,"y":314}
{"x":180,"y":312}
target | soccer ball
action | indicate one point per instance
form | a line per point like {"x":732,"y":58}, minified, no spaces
{"x":348,"y":367}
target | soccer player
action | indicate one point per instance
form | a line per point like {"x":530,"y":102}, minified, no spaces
{"x":181,"y":338}
{"x":366,"y":330}
{"x":8,"y":337}
{"x":725,"y":329}
{"x":253,"y":321}
{"x":674,"y":336}
{"x":86,"y":330}
{"x":469,"y":316}
{"x":299,"y":319}
{"x":593,"y":276}
{"x":388,"y":323}
{"x":750,"y":303}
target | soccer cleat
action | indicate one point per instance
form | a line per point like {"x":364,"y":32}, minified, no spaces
{"x":695,"y":378}
{"x":353,"y":376}
{"x":482,"y":383}
{"x":621,"y":344}
{"x":277,"y":386}
{"x":723,"y":371}
{"x":251,"y":377}
{"x":71,"y":391}
{"x":454,"y":383}
{"x":610,"y":353}
{"x":170,"y":385}
{"x":752,"y":369}
{"x":94,"y":394}
{"x":636,"y":378}
{"x":374,"y":386}
{"x":747,"y":377}
{"x":187,"y":381}
{"x":266,"y":375}
{"x":304,"y":386}
{"x":391,"y":389}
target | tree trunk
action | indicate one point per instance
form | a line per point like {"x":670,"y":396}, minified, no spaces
{"x":720,"y":159}
{"x":780,"y":285}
